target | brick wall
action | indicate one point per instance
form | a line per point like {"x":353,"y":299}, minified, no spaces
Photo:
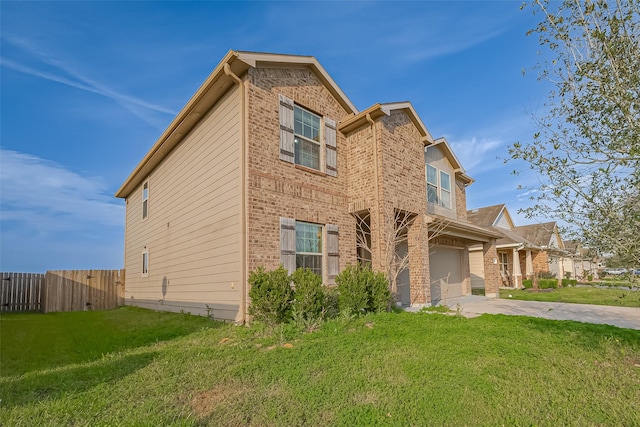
{"x":280,"y":189}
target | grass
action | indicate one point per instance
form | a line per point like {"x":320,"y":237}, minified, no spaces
{"x":390,"y":369}
{"x":578,"y":295}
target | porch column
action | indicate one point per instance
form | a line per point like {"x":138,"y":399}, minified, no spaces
{"x":491,"y":269}
{"x":517,"y":273}
{"x":529,"y":266}
{"x":418,"y":241}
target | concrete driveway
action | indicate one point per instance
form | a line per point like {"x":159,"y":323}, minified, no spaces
{"x":622,"y":317}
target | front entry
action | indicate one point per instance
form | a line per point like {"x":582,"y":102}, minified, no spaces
{"x":445,"y":265}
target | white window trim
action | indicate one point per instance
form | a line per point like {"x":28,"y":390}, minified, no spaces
{"x":438,"y":186}
{"x":320,"y":144}
{"x":145,"y":200}
{"x":145,"y":257}
{"x":322,"y":254}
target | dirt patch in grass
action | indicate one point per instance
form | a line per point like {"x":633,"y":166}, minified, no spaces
{"x":204,"y":403}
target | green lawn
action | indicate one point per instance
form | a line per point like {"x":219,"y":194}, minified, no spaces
{"x":390,"y":369}
{"x":616,"y":297}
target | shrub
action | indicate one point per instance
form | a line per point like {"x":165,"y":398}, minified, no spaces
{"x":361,"y":290}
{"x":547,"y":283}
{"x":590,"y":277}
{"x":569,"y":282}
{"x":309,"y":299}
{"x":271,"y":295}
{"x":352,"y":289}
{"x":546,"y":275}
{"x":542,"y":283}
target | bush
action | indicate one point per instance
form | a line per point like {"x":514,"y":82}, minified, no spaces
{"x":542,"y":283}
{"x":361,"y":290}
{"x":271,"y":295}
{"x":546,"y":275}
{"x":569,"y":282}
{"x":309,"y":299}
{"x":590,"y":277}
{"x":547,"y":283}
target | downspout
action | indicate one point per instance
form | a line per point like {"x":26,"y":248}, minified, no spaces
{"x":376,"y":173}
{"x":243,"y":193}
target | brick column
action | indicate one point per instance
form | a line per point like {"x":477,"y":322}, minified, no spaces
{"x":491,"y":269}
{"x":418,"y":239}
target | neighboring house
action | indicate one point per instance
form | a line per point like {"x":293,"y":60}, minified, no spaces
{"x":580,"y":263}
{"x":517,"y":258}
{"x":547,"y":237}
{"x":525,"y":250}
{"x":270,"y":163}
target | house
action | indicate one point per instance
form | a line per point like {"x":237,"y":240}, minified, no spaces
{"x":270,"y":163}
{"x":580,"y":263}
{"x":522,"y":250}
{"x":546,"y":236}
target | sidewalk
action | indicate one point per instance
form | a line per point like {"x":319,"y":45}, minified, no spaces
{"x":622,"y":317}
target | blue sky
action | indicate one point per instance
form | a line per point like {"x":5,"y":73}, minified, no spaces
{"x":87,"y":88}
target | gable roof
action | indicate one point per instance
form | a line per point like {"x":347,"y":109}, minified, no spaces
{"x":540,"y":234}
{"x":486,"y":216}
{"x":442,"y":144}
{"x":211,"y":90}
{"x":379,"y":110}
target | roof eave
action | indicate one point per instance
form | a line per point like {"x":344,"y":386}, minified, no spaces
{"x":216,"y":84}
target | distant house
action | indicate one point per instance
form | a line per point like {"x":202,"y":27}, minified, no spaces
{"x":579,"y":262}
{"x":270,"y":163}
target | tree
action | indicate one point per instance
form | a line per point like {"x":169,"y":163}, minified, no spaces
{"x":587,"y":148}
{"x":394,"y":251}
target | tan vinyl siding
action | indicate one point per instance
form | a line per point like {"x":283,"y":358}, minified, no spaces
{"x":193,"y":228}
{"x":503,"y":222}
{"x":436,"y":158}
{"x":476,"y":265}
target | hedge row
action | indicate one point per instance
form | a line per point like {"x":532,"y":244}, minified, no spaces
{"x":277,"y":297}
{"x":548,"y":283}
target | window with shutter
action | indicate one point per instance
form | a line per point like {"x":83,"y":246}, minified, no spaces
{"x":304,"y":140}
{"x":331,"y":157}
{"x":286,"y":129}
{"x":333,"y":253}
{"x":288,"y":243}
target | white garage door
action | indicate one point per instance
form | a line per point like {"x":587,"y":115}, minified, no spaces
{"x":445,"y":265}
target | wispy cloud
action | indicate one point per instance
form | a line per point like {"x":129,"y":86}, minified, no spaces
{"x":66,"y":74}
{"x":47,"y":197}
{"x":478,"y":154}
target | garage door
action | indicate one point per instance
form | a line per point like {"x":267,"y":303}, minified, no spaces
{"x":445,"y":266}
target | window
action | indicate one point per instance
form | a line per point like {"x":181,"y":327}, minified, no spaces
{"x":145,"y":200}
{"x":309,"y":246}
{"x":306,"y":138}
{"x":445,"y":190}
{"x":145,"y":263}
{"x":504,"y":263}
{"x":432,"y":184}
{"x":438,"y":187}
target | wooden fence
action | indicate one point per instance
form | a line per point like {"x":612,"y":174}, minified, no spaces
{"x":21,"y":292}
{"x":64,"y":290}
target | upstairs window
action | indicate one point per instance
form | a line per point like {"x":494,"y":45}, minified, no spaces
{"x":438,"y":187}
{"x":306,"y":138}
{"x":432,"y":184}
{"x":445,"y":190}
{"x":145,"y":200}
